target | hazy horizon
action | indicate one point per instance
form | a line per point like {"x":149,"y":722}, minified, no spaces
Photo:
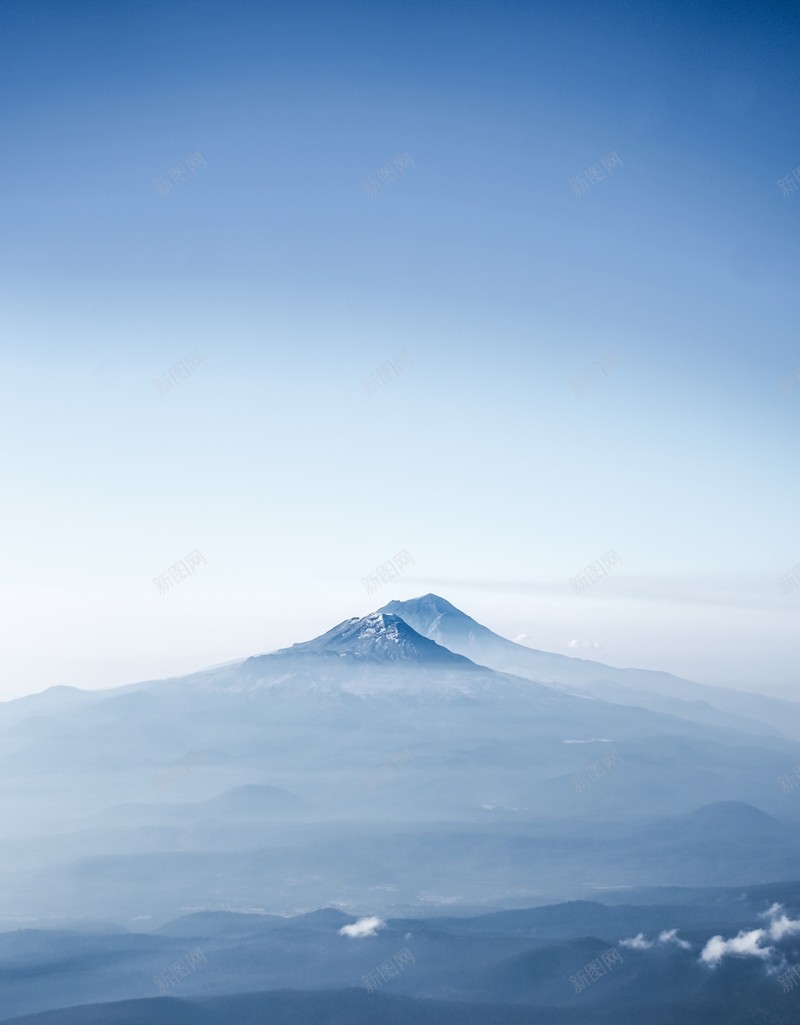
{"x":185,"y":663}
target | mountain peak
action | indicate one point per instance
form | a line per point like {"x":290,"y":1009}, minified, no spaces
{"x":434,"y":617}
{"x":431,"y":602}
{"x":380,"y":636}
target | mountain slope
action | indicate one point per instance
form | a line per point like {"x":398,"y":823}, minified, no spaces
{"x":436,"y":618}
{"x":366,"y":767}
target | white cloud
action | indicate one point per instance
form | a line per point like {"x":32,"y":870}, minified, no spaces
{"x":746,"y":944}
{"x":751,"y":944}
{"x":521,"y":637}
{"x":576,"y":643}
{"x":781,"y":925}
{"x":363,"y":928}
{"x":671,"y":936}
{"x":640,"y":941}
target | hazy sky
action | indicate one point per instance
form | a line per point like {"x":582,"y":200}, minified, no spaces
{"x":294,"y":281}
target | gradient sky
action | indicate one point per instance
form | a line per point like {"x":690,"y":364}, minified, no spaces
{"x":480,"y":262}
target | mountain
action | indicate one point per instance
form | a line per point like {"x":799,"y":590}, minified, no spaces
{"x":379,"y":637}
{"x":373,"y":772}
{"x":344,"y":1007}
{"x":499,"y":968}
{"x":434,"y":617}
{"x":370,"y":767}
{"x":252,"y":800}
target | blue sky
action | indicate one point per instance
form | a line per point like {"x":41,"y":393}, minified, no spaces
{"x":479,"y":261}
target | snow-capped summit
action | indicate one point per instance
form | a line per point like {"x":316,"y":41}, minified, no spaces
{"x":380,"y":636}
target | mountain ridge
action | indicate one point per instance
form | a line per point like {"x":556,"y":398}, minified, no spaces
{"x":435,"y":617}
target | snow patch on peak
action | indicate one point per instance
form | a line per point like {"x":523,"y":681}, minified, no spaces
{"x":381,"y":636}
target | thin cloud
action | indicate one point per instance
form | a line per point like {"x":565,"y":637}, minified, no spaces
{"x":712,"y":590}
{"x":640,"y":941}
{"x":671,"y":936}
